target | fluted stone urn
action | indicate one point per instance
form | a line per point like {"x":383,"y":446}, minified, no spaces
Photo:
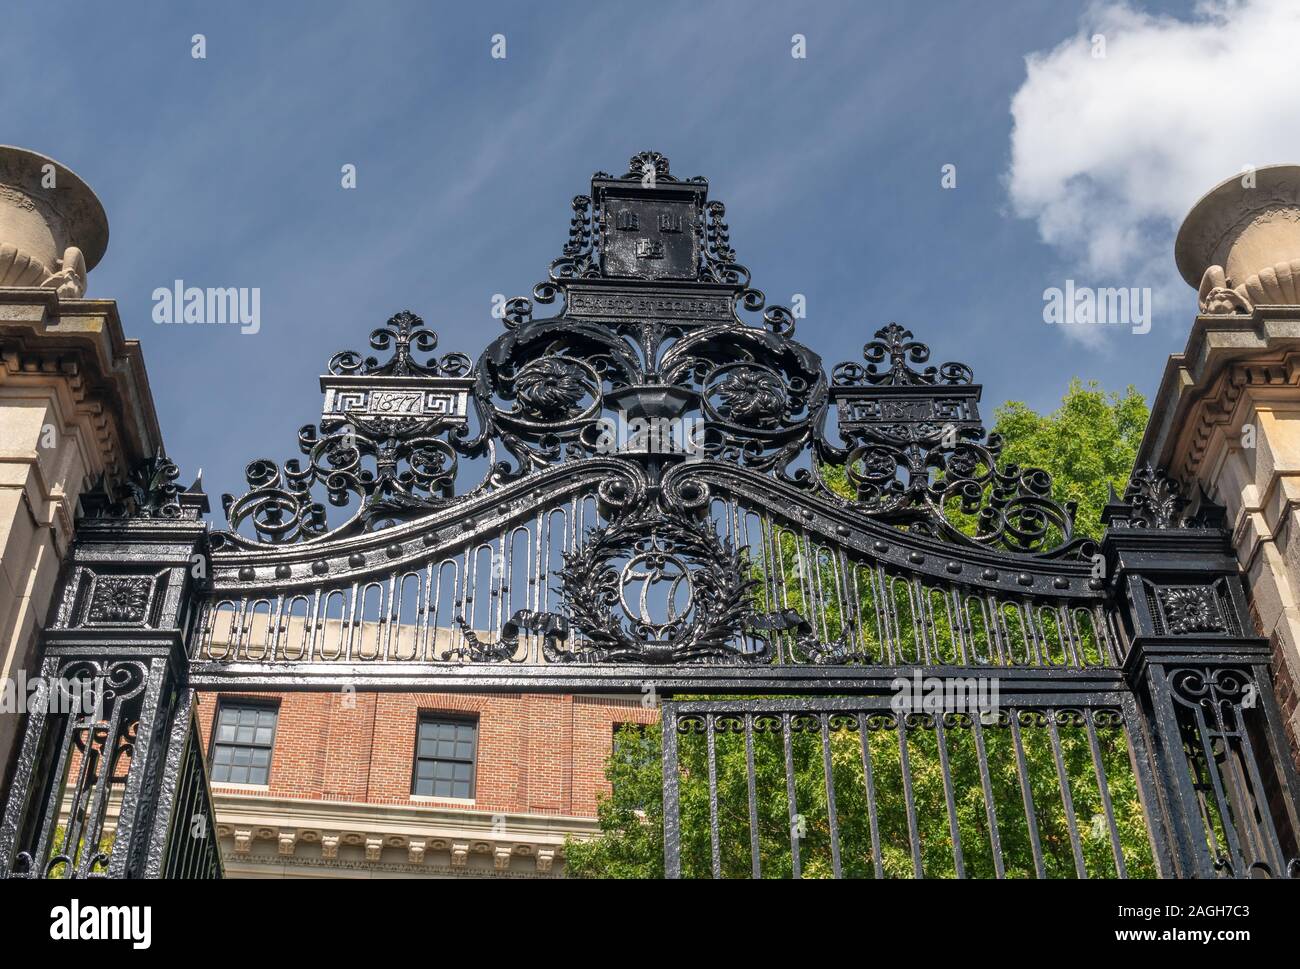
{"x":53,"y":229}
{"x":1240,"y":244}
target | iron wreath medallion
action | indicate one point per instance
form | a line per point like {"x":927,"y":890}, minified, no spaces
{"x":653,"y":589}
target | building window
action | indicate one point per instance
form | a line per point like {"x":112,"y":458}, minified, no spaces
{"x":242,"y":744}
{"x":445,"y":752}
{"x":629,"y":741}
{"x":633,"y":753}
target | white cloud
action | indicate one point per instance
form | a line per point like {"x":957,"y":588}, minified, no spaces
{"x":1108,"y":154}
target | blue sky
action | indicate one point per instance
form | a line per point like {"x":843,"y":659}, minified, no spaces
{"x":225,"y":171}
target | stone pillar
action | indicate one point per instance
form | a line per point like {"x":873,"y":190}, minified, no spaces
{"x":75,"y":403}
{"x":1227,"y":414}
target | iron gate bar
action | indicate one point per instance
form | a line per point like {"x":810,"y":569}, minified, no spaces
{"x":666,"y":681}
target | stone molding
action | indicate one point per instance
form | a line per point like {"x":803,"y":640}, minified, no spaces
{"x":81,"y":342}
{"x":414,"y":839}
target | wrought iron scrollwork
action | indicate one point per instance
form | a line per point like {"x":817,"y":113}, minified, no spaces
{"x":403,"y":333}
{"x":655,"y":328}
{"x":656,"y":586}
{"x":896,"y":345}
{"x":150,"y":490}
{"x":391,"y":438}
{"x":99,"y":736}
{"x":917,"y":453}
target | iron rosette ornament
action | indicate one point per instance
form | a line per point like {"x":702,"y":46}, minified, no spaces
{"x":762,"y":395}
{"x":918,"y":456}
{"x":541,"y":388}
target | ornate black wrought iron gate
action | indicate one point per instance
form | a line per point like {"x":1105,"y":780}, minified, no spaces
{"x":659,"y":507}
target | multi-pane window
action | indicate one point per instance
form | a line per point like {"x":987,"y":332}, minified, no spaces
{"x":242,"y":744}
{"x":445,"y":750}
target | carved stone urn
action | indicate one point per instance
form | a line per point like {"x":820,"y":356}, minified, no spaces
{"x":53,"y":229}
{"x":1240,"y":244}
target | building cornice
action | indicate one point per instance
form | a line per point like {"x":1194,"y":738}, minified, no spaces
{"x":1201,"y":385}
{"x":423,"y":838}
{"x":80,"y":342}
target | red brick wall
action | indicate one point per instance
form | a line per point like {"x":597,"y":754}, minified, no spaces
{"x":537,"y":753}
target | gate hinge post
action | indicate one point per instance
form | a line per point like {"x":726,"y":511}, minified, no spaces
{"x":115,"y":645}
{"x":1223,"y":781}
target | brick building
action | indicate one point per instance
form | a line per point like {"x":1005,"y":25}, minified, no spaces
{"x":336,"y":784}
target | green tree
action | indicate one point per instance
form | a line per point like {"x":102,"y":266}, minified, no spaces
{"x":1087,"y":443}
{"x":1090,"y":441}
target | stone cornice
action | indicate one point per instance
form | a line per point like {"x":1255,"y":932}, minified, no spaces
{"x":81,"y":343}
{"x":446,"y":836}
{"x":1201,"y":386}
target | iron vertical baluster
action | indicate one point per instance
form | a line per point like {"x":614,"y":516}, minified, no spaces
{"x":756,"y":863}
{"x":999,"y":639}
{"x":316,"y":626}
{"x":240,"y":631}
{"x":1067,"y":799}
{"x":393,"y":613}
{"x":916,"y":604}
{"x":537,"y":571}
{"x":913,"y":831}
{"x":941,"y":740}
{"x":277,"y":626}
{"x":854,"y":592}
{"x":1103,"y":786}
{"x":779,"y":552}
{"x":990,"y":809}
{"x":423,"y":649}
{"x":957,"y":623}
{"x":831,"y":813}
{"x":790,"y":795}
{"x":1033,"y":642}
{"x":769,"y":586}
{"x":712,"y":754}
{"x":1027,"y":794}
{"x":869,"y":781}
{"x":672,"y":794}
{"x":889,"y":635}
{"x":1071,"y":643}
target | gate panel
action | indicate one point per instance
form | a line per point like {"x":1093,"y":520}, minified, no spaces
{"x":1033,"y":786}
